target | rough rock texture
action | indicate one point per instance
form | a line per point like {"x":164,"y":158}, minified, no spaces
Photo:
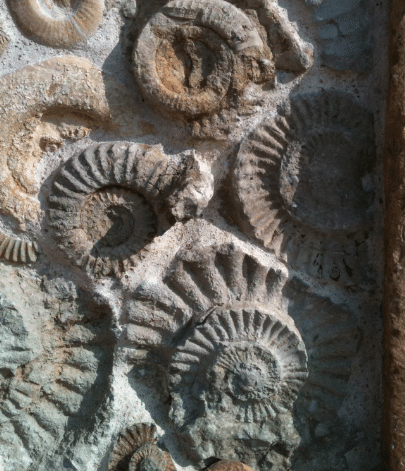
{"x":191,"y":214}
{"x":394,"y":412}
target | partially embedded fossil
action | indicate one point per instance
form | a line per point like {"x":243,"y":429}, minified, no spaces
{"x":56,"y":359}
{"x":17,"y":250}
{"x":41,"y":108}
{"x":137,"y":450}
{"x":302,"y":185}
{"x":236,"y":356}
{"x":4,"y":40}
{"x":206,"y":53}
{"x":111,"y":200}
{"x":229,"y":465}
{"x":216,"y":36}
{"x":57,"y":23}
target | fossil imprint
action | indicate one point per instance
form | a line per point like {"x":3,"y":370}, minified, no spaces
{"x":241,"y":364}
{"x":302,"y":185}
{"x":111,"y":200}
{"x":205,"y":51}
{"x":136,"y":450}
{"x":57,"y":23}
{"x":54,"y":374}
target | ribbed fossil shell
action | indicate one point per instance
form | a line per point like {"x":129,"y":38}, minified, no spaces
{"x":4,"y":40}
{"x":53,"y":379}
{"x":345,"y":34}
{"x":198,"y":280}
{"x":17,"y":250}
{"x":212,"y":34}
{"x":136,"y":450}
{"x":244,"y":359}
{"x":299,"y":185}
{"x":108,"y":202}
{"x":57,"y":23}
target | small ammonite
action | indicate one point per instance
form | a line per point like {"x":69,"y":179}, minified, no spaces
{"x":57,"y":23}
{"x":108,"y":202}
{"x":137,"y":450}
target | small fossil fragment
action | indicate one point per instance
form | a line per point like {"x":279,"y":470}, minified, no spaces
{"x":4,"y":40}
{"x":299,"y":185}
{"x":229,"y":465}
{"x":57,"y":23}
{"x":136,"y":450}
{"x":17,"y":250}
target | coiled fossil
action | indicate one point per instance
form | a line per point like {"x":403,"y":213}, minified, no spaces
{"x":109,"y":201}
{"x":57,"y":23}
{"x":241,"y":364}
{"x":299,"y":185}
{"x":136,"y":450}
{"x":213,"y":35}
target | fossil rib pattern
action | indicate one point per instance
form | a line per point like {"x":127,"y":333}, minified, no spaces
{"x":299,"y":186}
{"x":57,"y":23}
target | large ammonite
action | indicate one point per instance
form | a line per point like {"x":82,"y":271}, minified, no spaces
{"x":301,"y":184}
{"x":136,"y":450}
{"x":189,"y":54}
{"x":241,"y":368}
{"x":57,"y":23}
{"x":108,"y":202}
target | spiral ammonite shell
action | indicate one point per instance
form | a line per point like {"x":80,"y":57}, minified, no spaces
{"x":254,"y":352}
{"x":300,"y":185}
{"x":108,"y":202}
{"x":249,"y":363}
{"x":57,"y":23}
{"x":136,"y":450}
{"x":185,"y":56}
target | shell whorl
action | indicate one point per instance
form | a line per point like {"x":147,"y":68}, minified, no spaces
{"x":135,"y":447}
{"x":222,"y":32}
{"x":249,"y":363}
{"x":198,"y":280}
{"x":108,"y":202}
{"x":287,"y":197}
{"x":17,"y":250}
{"x":222,"y":17}
{"x":57,"y":26}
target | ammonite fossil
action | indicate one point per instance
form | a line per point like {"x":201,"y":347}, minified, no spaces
{"x":240,"y":367}
{"x":54,"y":376}
{"x":57,"y":23}
{"x":190,"y":53}
{"x":17,"y":250}
{"x":108,"y":202}
{"x":302,"y":185}
{"x":136,"y":450}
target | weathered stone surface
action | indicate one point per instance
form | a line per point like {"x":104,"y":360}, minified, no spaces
{"x":190,"y":235}
{"x":394,"y":336}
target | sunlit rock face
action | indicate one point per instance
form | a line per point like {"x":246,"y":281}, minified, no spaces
{"x":190,"y":235}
